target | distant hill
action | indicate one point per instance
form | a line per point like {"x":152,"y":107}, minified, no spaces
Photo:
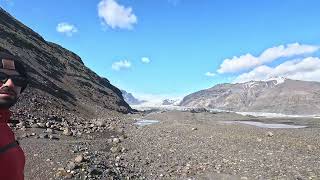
{"x":170,"y":102}
{"x":276,"y":96}
{"x":130,"y":99}
{"x":60,"y":82}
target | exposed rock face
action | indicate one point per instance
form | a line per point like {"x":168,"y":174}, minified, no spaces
{"x":60,"y":82}
{"x":130,"y":99}
{"x":287,"y":96}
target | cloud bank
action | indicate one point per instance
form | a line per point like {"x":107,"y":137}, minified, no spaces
{"x":248,"y":61}
{"x":307,"y":69}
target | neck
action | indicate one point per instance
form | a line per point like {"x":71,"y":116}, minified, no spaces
{"x":4,"y":115}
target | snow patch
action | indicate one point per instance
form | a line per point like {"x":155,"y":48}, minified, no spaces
{"x":279,"y":80}
{"x":250,"y":84}
{"x":275,"y":115}
{"x":265,"y":125}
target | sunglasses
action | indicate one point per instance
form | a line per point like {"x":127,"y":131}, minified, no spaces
{"x":16,"y":79}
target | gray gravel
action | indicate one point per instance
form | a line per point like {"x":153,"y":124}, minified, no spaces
{"x":182,"y":145}
{"x":197,"y":146}
{"x":75,"y":150}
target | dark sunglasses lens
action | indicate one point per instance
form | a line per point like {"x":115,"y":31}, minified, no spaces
{"x":3,"y":77}
{"x":19,"y":81}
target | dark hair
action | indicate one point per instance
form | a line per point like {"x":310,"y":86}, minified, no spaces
{"x":17,"y":63}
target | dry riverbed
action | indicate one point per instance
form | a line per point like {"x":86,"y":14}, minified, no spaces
{"x":182,"y":145}
{"x":185,"y":145}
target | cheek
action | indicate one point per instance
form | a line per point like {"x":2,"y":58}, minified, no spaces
{"x":17,"y":89}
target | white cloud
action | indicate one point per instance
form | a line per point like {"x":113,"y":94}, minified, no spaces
{"x":66,"y":28}
{"x":121,"y":65}
{"x":210,"y":74}
{"x":307,"y":69}
{"x":145,"y":60}
{"x":248,"y":61}
{"x":116,"y":15}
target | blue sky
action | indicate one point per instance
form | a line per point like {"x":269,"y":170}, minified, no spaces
{"x":186,"y":45}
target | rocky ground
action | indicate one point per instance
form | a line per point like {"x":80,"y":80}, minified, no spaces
{"x":187,"y":145}
{"x":183,"y":145}
{"x":74,"y":150}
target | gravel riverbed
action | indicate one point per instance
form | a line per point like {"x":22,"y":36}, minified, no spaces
{"x":185,"y":145}
{"x":182,"y":145}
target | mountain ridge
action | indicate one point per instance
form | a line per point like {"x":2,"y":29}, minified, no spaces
{"x":130,"y":99}
{"x":287,"y":97}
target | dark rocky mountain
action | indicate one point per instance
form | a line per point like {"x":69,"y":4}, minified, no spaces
{"x":60,"y":84}
{"x":130,"y":99}
{"x":275,"y":96}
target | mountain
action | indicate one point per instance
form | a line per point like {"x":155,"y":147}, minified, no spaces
{"x":130,"y":99}
{"x":275,"y":96}
{"x":60,"y":83}
{"x":170,"y":102}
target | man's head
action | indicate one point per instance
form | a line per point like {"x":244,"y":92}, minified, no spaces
{"x":13,"y":79}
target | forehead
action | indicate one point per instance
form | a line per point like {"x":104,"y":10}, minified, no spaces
{"x":9,"y":71}
{"x":8,"y":67}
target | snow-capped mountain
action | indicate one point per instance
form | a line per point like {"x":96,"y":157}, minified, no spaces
{"x":130,"y":99}
{"x":275,"y":95}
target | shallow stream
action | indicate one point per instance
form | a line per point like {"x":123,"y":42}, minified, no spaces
{"x":145,"y":122}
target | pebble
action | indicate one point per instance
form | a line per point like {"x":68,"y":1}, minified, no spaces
{"x":20,"y":125}
{"x":50,"y":131}
{"x":43,"y":136}
{"x":53,"y":137}
{"x":114,"y":149}
{"x":116,"y":140}
{"x":269,"y":134}
{"x":118,"y":158}
{"x":23,"y":128}
{"x":71,"y":166}
{"x":34,"y":126}
{"x":101,"y":123}
{"x":78,"y":159}
{"x":41,"y":125}
{"x":311,"y":148}
{"x":67,"y":132}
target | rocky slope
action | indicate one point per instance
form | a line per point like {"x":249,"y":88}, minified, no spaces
{"x":276,"y":96}
{"x":61,"y":85}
